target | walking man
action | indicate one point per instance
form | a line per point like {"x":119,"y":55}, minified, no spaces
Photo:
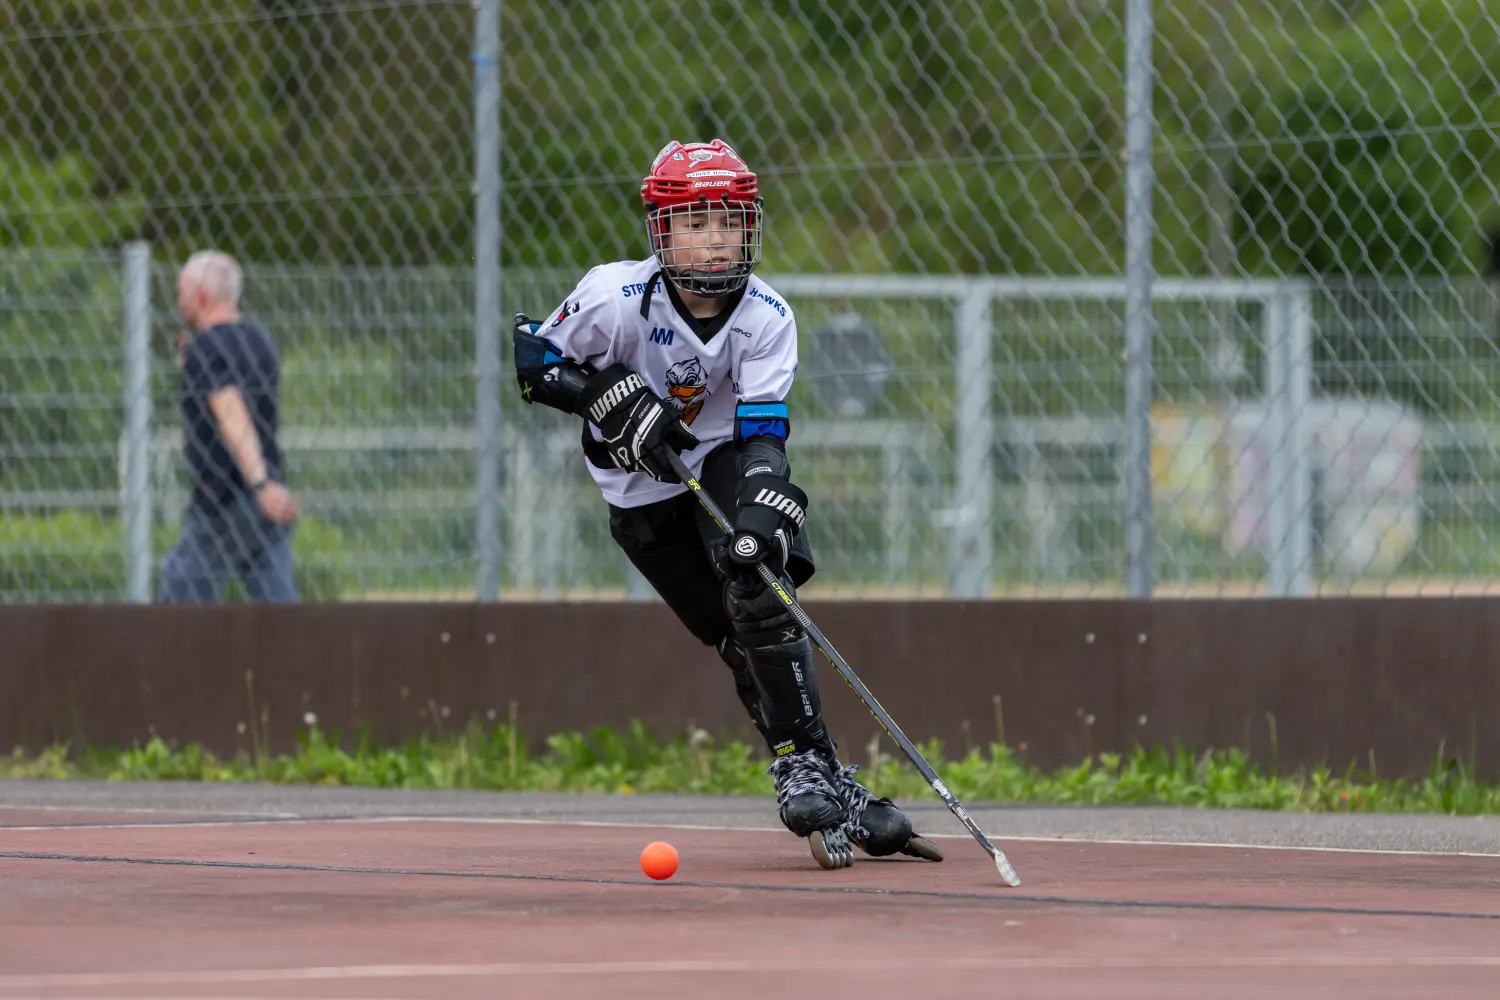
{"x":239,"y":521}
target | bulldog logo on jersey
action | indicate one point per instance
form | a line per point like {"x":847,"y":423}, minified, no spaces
{"x":687,"y":384}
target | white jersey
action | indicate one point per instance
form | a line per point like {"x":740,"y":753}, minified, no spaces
{"x":753,"y":358}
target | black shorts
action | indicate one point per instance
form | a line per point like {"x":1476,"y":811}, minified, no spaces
{"x":668,"y":542}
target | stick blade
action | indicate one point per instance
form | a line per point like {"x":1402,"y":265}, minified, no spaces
{"x":1006,"y":871}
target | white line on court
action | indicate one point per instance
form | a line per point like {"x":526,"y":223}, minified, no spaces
{"x":998,"y":839}
{"x":806,"y":963}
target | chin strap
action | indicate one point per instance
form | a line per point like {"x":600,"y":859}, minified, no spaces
{"x":650,"y":287}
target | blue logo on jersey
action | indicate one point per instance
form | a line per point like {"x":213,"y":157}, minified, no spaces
{"x":661,"y":335}
{"x":773,"y":303}
{"x":639,"y":288}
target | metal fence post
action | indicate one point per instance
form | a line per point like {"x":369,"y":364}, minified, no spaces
{"x":136,"y":480}
{"x":1288,"y":375}
{"x":972,"y":555}
{"x":487,"y":296}
{"x":1139,"y":325}
{"x":1300,"y":346}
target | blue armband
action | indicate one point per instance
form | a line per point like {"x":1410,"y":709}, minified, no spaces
{"x":762,"y":420}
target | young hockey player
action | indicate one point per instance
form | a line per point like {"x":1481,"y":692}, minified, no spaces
{"x":701,"y":363}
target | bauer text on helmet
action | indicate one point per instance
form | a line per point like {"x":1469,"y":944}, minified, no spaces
{"x":703,"y":216}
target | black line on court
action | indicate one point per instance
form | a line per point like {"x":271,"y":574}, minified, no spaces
{"x":995,"y":897}
{"x":221,"y":820}
{"x":94,"y":824}
{"x":263,"y":820}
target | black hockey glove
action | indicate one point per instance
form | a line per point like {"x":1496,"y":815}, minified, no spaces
{"x":770,"y":513}
{"x":636,"y":426}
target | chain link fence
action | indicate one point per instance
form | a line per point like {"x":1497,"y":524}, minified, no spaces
{"x":1079,"y":315}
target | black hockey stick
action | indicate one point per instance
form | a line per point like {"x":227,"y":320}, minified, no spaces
{"x":913,"y":754}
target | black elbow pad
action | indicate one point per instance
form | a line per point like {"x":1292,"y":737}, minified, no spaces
{"x":543,"y":373}
{"x":764,"y":457}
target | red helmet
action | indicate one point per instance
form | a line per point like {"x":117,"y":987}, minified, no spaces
{"x":703,"y":216}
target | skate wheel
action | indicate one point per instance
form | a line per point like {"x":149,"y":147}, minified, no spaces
{"x":831,"y":848}
{"x":921,"y":847}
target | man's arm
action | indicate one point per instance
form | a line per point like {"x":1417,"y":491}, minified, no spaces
{"x":238,"y":432}
{"x":240,"y":437}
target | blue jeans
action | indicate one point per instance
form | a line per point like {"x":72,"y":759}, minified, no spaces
{"x":217,"y":546}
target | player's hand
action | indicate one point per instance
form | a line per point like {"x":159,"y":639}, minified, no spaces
{"x":735,"y":569}
{"x":770,"y":513}
{"x":635,"y":425}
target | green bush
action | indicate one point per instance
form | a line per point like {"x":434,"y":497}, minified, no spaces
{"x":73,"y":556}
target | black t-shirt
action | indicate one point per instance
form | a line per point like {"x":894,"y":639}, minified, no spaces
{"x":241,"y":354}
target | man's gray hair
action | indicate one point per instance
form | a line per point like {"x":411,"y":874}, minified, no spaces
{"x":216,"y":273}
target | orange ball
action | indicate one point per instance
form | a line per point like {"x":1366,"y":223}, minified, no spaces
{"x":659,"y":860}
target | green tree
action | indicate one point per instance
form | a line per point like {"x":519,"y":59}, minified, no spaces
{"x":1374,"y":163}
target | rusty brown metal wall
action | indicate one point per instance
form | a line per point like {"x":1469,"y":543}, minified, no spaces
{"x":1341,"y":677}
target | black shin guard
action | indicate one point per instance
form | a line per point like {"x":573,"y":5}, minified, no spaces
{"x":732,"y":652}
{"x":779,"y":657}
{"x":775,"y":677}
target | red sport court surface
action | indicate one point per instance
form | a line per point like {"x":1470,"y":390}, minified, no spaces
{"x":115,"y":904}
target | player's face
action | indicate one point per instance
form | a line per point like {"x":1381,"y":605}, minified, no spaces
{"x":706,"y":239}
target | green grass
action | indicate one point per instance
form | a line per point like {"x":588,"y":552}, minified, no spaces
{"x":608,"y":761}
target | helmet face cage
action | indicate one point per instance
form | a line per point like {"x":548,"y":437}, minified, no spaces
{"x":708,"y":248}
